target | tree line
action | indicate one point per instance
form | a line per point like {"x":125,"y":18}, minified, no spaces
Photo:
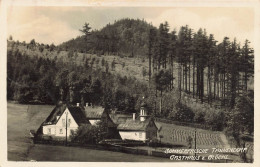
{"x":206,"y":70}
{"x":199,"y":66}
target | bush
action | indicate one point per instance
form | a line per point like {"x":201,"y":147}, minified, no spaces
{"x":216,"y":120}
{"x":182,"y":113}
{"x":241,"y":118}
{"x":86,"y":134}
{"x":200,"y":117}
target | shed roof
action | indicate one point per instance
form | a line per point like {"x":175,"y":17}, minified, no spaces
{"x":120,"y":118}
{"x":94,"y":112}
{"x":136,"y":124}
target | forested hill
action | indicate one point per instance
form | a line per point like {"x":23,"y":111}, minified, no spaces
{"x":128,"y":37}
{"x":192,"y":61}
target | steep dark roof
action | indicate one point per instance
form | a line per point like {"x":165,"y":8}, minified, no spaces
{"x":76,"y":112}
{"x":136,"y":124}
{"x":94,"y":112}
{"x":57,"y":111}
{"x":78,"y":115}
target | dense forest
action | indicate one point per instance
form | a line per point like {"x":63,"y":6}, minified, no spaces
{"x":126,"y":37}
{"x":204,"y":69}
{"x":192,"y":77}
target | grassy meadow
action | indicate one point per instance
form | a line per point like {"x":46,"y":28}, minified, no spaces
{"x":178,"y":135}
{"x":20,"y":120}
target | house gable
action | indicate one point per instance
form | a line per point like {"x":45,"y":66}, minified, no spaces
{"x":59,"y":128}
{"x":70,"y":120}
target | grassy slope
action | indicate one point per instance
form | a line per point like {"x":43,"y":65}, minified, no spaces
{"x":20,"y":120}
{"x":133,"y":66}
{"x":176,"y":134}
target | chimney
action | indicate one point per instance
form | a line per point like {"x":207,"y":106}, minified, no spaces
{"x":77,"y":104}
{"x":134,"y":116}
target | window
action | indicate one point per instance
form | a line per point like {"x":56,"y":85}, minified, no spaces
{"x":49,"y":130}
{"x":140,"y":134}
{"x":69,"y":121}
{"x":61,"y":131}
{"x":71,"y":131}
{"x":63,"y":122}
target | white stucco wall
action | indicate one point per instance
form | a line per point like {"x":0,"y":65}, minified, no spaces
{"x":49,"y":130}
{"x":60,"y":128}
{"x":133,"y":135}
{"x":94,"y":121}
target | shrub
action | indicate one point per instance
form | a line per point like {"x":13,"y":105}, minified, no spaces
{"x":216,"y":120}
{"x":199,"y":117}
{"x":182,"y":113}
{"x":85,"y":134}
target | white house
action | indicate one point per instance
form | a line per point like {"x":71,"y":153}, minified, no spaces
{"x":63,"y":120}
{"x":140,"y":129}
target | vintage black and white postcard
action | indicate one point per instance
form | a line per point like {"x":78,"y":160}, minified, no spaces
{"x":170,"y":82}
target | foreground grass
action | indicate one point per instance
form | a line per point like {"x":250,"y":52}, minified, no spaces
{"x":62,"y":153}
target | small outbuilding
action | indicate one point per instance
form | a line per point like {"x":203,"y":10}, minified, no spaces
{"x":141,"y":128}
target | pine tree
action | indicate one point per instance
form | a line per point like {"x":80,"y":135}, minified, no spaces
{"x":247,"y":60}
{"x":152,"y":34}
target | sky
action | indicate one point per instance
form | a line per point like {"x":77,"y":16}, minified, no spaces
{"x":59,"y":24}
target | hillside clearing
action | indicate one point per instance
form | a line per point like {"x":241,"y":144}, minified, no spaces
{"x":178,"y":135}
